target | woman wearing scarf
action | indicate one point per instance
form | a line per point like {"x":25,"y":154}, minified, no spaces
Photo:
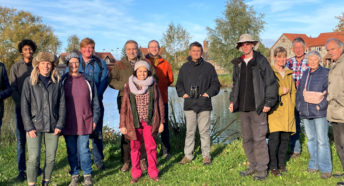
{"x":142,"y":116}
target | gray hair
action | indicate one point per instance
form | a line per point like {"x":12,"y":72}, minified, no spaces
{"x":299,"y":40}
{"x":337,"y":41}
{"x":314,"y":53}
{"x":151,"y":41}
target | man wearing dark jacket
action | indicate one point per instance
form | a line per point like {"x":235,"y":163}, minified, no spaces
{"x":197,"y":83}
{"x":253,"y":94}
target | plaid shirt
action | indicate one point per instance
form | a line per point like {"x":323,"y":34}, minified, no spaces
{"x":297,"y":68}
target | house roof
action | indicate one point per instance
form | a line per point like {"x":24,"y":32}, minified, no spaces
{"x":101,"y":55}
{"x":316,"y":41}
{"x":144,"y":51}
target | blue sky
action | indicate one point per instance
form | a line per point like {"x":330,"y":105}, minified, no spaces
{"x":111,"y":22}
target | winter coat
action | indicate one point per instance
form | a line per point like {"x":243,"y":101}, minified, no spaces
{"x":282,"y":116}
{"x":264,"y":83}
{"x":43,"y":109}
{"x":318,"y":82}
{"x":335,"y":97}
{"x":5,"y":88}
{"x":127,"y":119}
{"x":202,"y":75}
{"x":164,"y":73}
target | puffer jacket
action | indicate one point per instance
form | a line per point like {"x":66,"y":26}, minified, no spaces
{"x":318,"y":82}
{"x":264,"y":83}
{"x":43,"y":109}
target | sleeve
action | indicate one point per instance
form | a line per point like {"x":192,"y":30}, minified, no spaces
{"x":115,"y":81}
{"x":214,"y":84}
{"x":180,"y":83}
{"x":124,"y":108}
{"x":323,"y":104}
{"x":271,"y":88}
{"x":103,"y":80}
{"x":234,"y":82}
{"x":169,"y":74}
{"x":14,"y":86}
{"x":95,"y":105}
{"x":26,"y":106}
{"x":293,"y":93}
{"x":299,"y":92}
{"x":62,"y":108}
{"x":161,"y":105}
{"x":6,"y":85}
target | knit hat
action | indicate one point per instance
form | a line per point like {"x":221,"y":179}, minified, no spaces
{"x":141,"y":63}
{"x":71,"y":55}
{"x":247,"y":38}
{"x":45,"y":56}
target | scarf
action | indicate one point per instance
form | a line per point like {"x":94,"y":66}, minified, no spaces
{"x":134,"y":83}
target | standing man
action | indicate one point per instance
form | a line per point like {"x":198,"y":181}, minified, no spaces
{"x":118,"y":77}
{"x":18,"y":73}
{"x":335,"y":97}
{"x":253,"y":94}
{"x":5,"y":91}
{"x":298,"y":64}
{"x":164,"y":73}
{"x":97,"y":70}
{"x":197,"y":83}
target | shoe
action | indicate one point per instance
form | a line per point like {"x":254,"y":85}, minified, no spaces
{"x":134,"y":180}
{"x":282,"y":169}
{"x":100,"y":165}
{"x":125,"y":167}
{"x":21,"y":177}
{"x":74,"y":181}
{"x":87,"y":180}
{"x":247,"y":172}
{"x":340,"y":183}
{"x":143,"y":165}
{"x":295,"y":155}
{"x":206,"y":160}
{"x":311,"y":171}
{"x":45,"y":182}
{"x":275,"y":172}
{"x":165,"y":155}
{"x":338,"y":175}
{"x":260,"y":175}
{"x":185,"y":160}
{"x":325,"y":175}
{"x":155,"y":179}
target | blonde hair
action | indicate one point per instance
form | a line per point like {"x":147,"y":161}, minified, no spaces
{"x":280,"y":51}
{"x":55,"y":75}
{"x":86,"y":41}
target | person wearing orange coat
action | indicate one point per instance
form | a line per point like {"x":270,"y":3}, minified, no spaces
{"x":164,"y":74}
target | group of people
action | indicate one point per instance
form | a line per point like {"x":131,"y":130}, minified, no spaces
{"x":273,"y":101}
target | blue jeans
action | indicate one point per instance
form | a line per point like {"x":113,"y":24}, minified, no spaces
{"x":97,"y":138}
{"x":21,"y":141}
{"x":78,"y":149}
{"x":295,"y":145}
{"x":318,"y":144}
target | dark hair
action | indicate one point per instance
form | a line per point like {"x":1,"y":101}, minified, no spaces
{"x":135,"y":73}
{"x":27,"y":42}
{"x":196,"y":44}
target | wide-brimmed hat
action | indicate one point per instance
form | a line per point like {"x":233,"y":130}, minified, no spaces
{"x":45,"y":56}
{"x":244,"y":38}
{"x":142,"y":63}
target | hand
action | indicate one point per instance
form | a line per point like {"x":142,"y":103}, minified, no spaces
{"x":266,"y":109}
{"x":318,"y":107}
{"x":285,"y":90}
{"x":123,"y":130}
{"x":161,"y":128}
{"x":185,"y":96}
{"x":230,"y":107}
{"x":57,"y":131}
{"x":32,"y":133}
{"x":205,"y":95}
{"x":94,"y":126}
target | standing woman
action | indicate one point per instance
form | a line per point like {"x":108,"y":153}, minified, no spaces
{"x":281,"y":118}
{"x":142,"y":115}
{"x":43,"y":113}
{"x":82,"y":115}
{"x":312,"y":105}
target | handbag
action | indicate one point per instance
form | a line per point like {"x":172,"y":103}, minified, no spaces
{"x":312,"y":96}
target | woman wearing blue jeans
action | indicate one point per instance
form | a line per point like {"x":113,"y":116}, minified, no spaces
{"x":312,"y":105}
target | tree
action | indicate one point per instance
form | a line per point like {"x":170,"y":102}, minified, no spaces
{"x":18,"y":25}
{"x":238,"y":19}
{"x":176,"y":41}
{"x":340,"y":26}
{"x":73,"y":43}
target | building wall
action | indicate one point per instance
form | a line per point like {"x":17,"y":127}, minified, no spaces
{"x":285,"y":43}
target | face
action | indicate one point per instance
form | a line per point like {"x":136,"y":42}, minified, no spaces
{"x":280,"y":59}
{"x":333,"y":50}
{"x":153,"y":48}
{"x":131,"y":50}
{"x":313,"y":62}
{"x":87,"y":51}
{"x":27,"y":52}
{"x":247,"y":48}
{"x":44,"y":68}
{"x":298,"y":49}
{"x":195,"y":52}
{"x":73,"y":65}
{"x":142,"y":73}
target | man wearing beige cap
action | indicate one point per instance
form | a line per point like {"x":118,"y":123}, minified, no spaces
{"x":253,"y":94}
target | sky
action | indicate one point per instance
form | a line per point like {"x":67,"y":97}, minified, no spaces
{"x":112,"y":22}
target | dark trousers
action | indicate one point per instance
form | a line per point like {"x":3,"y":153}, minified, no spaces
{"x":165,"y":135}
{"x":97,"y":138}
{"x":125,"y":143}
{"x":278,"y":147}
{"x":21,"y":141}
{"x":295,"y":144}
{"x":254,"y":128}
{"x":338,"y":134}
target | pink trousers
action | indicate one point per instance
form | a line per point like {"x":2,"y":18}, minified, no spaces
{"x":146,"y":132}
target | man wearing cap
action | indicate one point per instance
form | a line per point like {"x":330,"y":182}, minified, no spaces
{"x":165,"y":78}
{"x":253,"y":94}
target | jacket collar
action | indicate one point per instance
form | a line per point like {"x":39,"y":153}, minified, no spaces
{"x":199,"y":61}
